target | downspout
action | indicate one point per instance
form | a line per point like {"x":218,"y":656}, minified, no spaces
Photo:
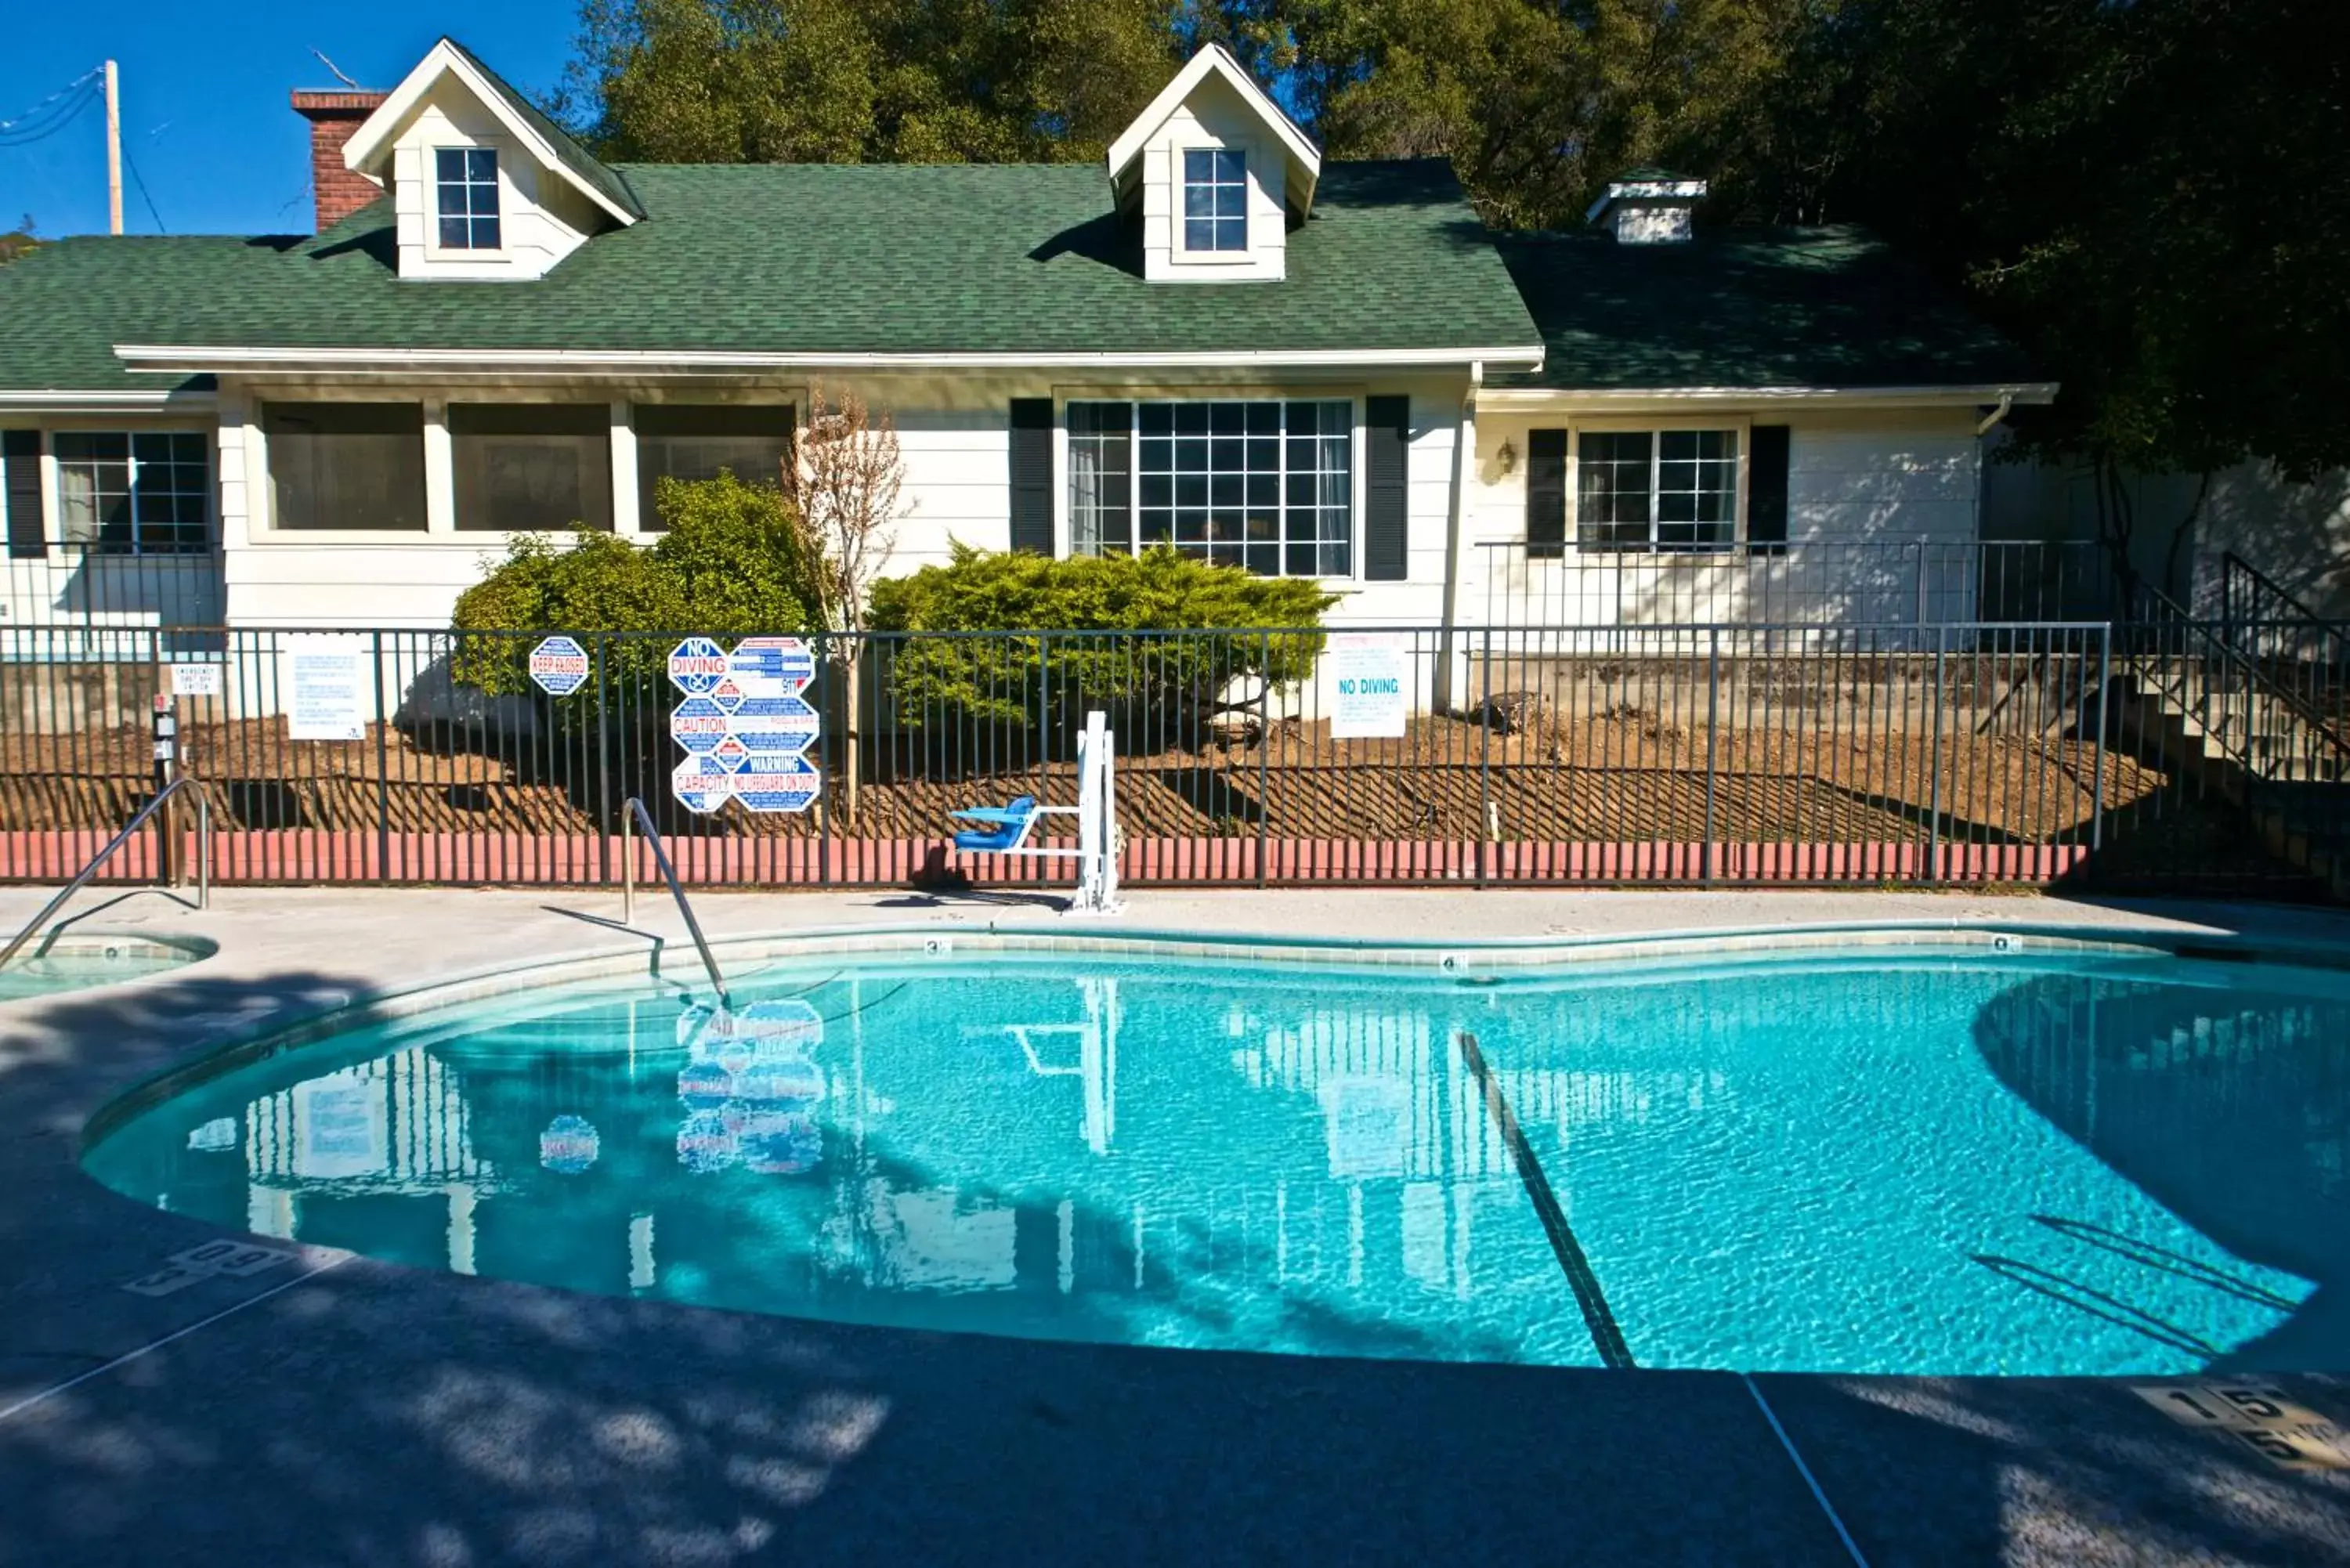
{"x":1464,"y":471}
{"x":1983,"y":428}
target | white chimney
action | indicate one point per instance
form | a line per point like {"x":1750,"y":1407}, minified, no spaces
{"x":1648,"y":207}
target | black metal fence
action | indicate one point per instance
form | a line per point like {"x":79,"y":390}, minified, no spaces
{"x":1875,"y":582}
{"x":1671,"y":755}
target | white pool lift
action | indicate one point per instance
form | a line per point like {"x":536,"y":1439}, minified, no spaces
{"x":1008,"y":827}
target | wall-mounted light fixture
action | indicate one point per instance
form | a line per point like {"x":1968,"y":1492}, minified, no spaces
{"x":1507,"y":457}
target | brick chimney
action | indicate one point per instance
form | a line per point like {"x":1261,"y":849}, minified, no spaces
{"x":333,"y":116}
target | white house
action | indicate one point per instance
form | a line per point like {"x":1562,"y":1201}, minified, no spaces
{"x":1219,"y":339}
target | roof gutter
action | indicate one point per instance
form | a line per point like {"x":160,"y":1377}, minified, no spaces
{"x":129,"y":401}
{"x":2008,"y":394}
{"x":185,"y":359}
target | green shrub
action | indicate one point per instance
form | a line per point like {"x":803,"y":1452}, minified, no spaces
{"x":730,"y":564}
{"x":1032,"y":598}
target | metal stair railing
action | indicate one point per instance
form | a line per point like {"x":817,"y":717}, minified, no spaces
{"x":2306,"y":654}
{"x":90,"y":869}
{"x":2193,"y":667}
{"x":635,"y":813}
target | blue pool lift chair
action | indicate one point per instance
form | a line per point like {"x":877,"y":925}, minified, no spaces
{"x":1007,"y":829}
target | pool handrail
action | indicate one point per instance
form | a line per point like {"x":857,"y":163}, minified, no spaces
{"x":631,"y":814}
{"x":91,"y":868}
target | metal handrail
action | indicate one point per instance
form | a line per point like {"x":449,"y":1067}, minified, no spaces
{"x":633,"y":814}
{"x":82,"y":878}
{"x":2234,"y":568}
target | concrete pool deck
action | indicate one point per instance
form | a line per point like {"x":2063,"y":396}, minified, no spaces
{"x":336,"y":1410}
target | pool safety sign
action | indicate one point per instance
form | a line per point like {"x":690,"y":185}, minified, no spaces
{"x":329,"y":685}
{"x":559,"y":666}
{"x":745,"y":726}
{"x":1368,"y":686}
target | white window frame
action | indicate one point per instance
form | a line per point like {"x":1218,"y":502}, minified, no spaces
{"x":509,"y":200}
{"x":54,"y":484}
{"x":1184,"y":203}
{"x":1177,"y":253}
{"x":1357,"y":494}
{"x":1741,"y":425}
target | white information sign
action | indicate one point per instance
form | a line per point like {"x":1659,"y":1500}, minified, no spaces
{"x":195,"y":681}
{"x":1368,"y":679}
{"x":744,"y":725}
{"x":327,"y":679}
{"x":559,"y":666}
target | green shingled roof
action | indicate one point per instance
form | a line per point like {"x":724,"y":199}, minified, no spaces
{"x":1790,"y":308}
{"x":782,"y":258}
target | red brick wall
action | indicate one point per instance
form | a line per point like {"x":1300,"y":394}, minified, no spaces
{"x":333,"y":116}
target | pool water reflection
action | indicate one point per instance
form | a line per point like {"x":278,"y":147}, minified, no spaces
{"x":1936,"y":1164}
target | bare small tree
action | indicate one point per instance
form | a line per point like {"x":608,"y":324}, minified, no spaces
{"x":844,"y":482}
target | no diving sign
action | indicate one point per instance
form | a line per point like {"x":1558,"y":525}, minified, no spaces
{"x":1369,"y":687}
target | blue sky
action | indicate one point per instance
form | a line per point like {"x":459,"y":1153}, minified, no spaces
{"x":204,"y":117}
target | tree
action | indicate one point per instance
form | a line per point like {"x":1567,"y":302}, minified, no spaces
{"x":843,"y":486}
{"x":847,"y":81}
{"x":18,"y":242}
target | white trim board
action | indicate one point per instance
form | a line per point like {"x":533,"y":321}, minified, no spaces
{"x":185,"y":359}
{"x":1533,"y":399}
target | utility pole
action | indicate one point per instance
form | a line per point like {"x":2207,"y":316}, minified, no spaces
{"x":113,"y":151}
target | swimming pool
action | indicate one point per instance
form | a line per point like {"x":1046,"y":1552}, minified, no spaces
{"x":1864,"y":1159}
{"x":78,"y":962}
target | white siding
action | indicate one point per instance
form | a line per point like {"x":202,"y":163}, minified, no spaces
{"x":541,"y":219}
{"x":1214,"y":116}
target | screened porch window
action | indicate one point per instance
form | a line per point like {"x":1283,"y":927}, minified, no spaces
{"x":1657,"y":490}
{"x":532,"y":467}
{"x":134,"y":493}
{"x":347,"y":465}
{"x":699,"y":441}
{"x":1265,"y":485}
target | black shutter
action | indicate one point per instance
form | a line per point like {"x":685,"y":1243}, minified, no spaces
{"x":1546,"y":494}
{"x":1767,"y":488}
{"x":21,"y":451}
{"x":1386,"y":489}
{"x":1032,"y":474}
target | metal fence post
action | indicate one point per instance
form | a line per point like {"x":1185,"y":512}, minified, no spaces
{"x":1920,"y":548}
{"x":1712,"y":729}
{"x":1934,"y":765}
{"x":603,"y":761}
{"x":1263,"y":754}
{"x":2104,"y":736}
{"x":1484,"y":829}
{"x":382,"y":773}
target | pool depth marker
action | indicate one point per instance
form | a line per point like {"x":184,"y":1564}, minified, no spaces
{"x":1604,"y":1335}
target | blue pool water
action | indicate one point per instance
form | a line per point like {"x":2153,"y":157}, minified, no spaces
{"x":86,"y":964}
{"x":1955,"y":1162}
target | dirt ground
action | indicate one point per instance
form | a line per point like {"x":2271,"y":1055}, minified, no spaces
{"x":1610,"y":777}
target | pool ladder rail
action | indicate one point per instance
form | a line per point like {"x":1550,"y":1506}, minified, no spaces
{"x":97,"y":862}
{"x":634,"y":815}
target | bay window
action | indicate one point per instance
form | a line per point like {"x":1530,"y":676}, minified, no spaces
{"x":346,"y":466}
{"x":1268,"y":485}
{"x":532,"y":467}
{"x":136,"y":492}
{"x":1661,"y":490}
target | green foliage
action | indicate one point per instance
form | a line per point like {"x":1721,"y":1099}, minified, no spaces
{"x":1004,"y":677}
{"x":847,"y":81}
{"x":19,"y":241}
{"x":728,"y":565}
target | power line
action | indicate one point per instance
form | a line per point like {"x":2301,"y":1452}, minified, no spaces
{"x":30,"y":119}
{"x":139,"y":180}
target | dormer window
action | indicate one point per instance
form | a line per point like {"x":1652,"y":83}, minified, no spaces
{"x":1215,"y":199}
{"x":467,"y":181}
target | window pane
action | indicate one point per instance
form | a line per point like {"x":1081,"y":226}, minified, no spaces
{"x":466,"y":197}
{"x":1101,"y":516}
{"x":1199,"y":234}
{"x":696,"y":442}
{"x":1215,"y":200}
{"x":149,"y":493}
{"x":346,"y":466}
{"x":1612,"y":500}
{"x":1697,"y":489}
{"x":1233,"y":491}
{"x":530,"y":467}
